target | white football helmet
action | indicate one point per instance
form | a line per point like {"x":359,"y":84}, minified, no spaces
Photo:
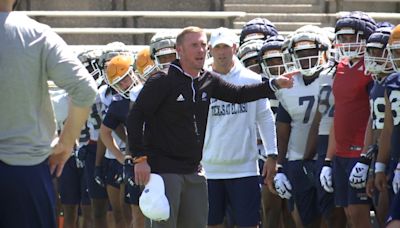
{"x":309,"y":49}
{"x":162,"y":49}
{"x":248,"y":54}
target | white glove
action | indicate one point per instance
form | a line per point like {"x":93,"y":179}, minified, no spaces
{"x":396,"y":181}
{"x":358,"y":175}
{"x":282,"y":186}
{"x":326,"y":178}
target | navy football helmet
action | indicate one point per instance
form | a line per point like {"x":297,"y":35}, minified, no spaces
{"x":258,"y":28}
{"x":270,"y":56}
{"x":376,"y":57}
{"x":360,"y":26}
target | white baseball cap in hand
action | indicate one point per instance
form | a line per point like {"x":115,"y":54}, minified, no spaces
{"x":153,"y":203}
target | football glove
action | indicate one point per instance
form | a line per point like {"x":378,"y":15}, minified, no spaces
{"x":326,"y":177}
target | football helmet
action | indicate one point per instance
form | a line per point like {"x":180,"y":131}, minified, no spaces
{"x":288,"y":61}
{"x":258,"y":28}
{"x":112,"y":49}
{"x":90,"y":59}
{"x":376,"y":57}
{"x":270,"y":57}
{"x":162,"y":45}
{"x":120,"y":75}
{"x":309,"y":49}
{"x":393,"y":47}
{"x":352,"y":30}
{"x":248,"y":55}
{"x":144,"y":65}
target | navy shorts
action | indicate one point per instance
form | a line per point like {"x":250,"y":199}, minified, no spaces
{"x":72,"y":184}
{"x":113,"y":173}
{"x":243,"y":195}
{"x":304,"y":192}
{"x":27,"y":196}
{"x":394,"y":213}
{"x":326,"y":200}
{"x":344,"y":193}
{"x":132,"y":194}
{"x":95,"y":190}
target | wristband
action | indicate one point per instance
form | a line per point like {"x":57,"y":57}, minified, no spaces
{"x":380,"y":167}
{"x":327,"y":162}
{"x":279,"y":168}
{"x":139,"y":159}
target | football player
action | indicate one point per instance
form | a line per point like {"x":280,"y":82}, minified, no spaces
{"x":309,"y":50}
{"x":388,"y":140}
{"x":350,"y":88}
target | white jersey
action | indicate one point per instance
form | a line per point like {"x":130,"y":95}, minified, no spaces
{"x":326,"y":101}
{"x":106,"y":100}
{"x":300,"y":102}
{"x":59,"y":100}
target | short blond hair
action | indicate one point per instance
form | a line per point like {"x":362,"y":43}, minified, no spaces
{"x":187,"y":30}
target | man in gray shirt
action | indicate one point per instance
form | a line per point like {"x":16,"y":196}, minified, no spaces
{"x":30,"y":55}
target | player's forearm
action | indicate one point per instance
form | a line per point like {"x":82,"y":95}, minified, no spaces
{"x":100,"y":151}
{"x":331,"y":151}
{"x":77,"y":117}
{"x":368,"y":139}
{"x":283,"y":134}
{"x":109,"y":142}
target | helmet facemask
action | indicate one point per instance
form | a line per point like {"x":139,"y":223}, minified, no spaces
{"x":164,"y":57}
{"x":250,"y":61}
{"x":377,"y":61}
{"x":125,"y":83}
{"x":394,"y":55}
{"x":308,"y":57}
{"x":272,"y":63}
{"x":350,"y":43}
{"x":120,"y":75}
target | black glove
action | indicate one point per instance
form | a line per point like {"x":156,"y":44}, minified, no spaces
{"x":80,"y":157}
{"x":369,"y":155}
{"x":99,"y":176}
{"x":127,"y":172}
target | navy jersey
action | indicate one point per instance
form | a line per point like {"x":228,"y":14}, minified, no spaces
{"x":392,"y":86}
{"x":377,"y":105}
{"x":117,"y":112}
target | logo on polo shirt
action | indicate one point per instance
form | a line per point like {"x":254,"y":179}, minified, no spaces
{"x":180,"y":98}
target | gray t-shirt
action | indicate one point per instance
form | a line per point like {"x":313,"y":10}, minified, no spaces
{"x":30,"y":55}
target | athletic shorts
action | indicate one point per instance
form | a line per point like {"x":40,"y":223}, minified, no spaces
{"x":243,"y":195}
{"x":304,"y":192}
{"x":113,"y":173}
{"x":72,"y":184}
{"x":95,"y":190}
{"x":346,"y":195}
{"x":27,"y":196}
{"x":394,"y":212}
